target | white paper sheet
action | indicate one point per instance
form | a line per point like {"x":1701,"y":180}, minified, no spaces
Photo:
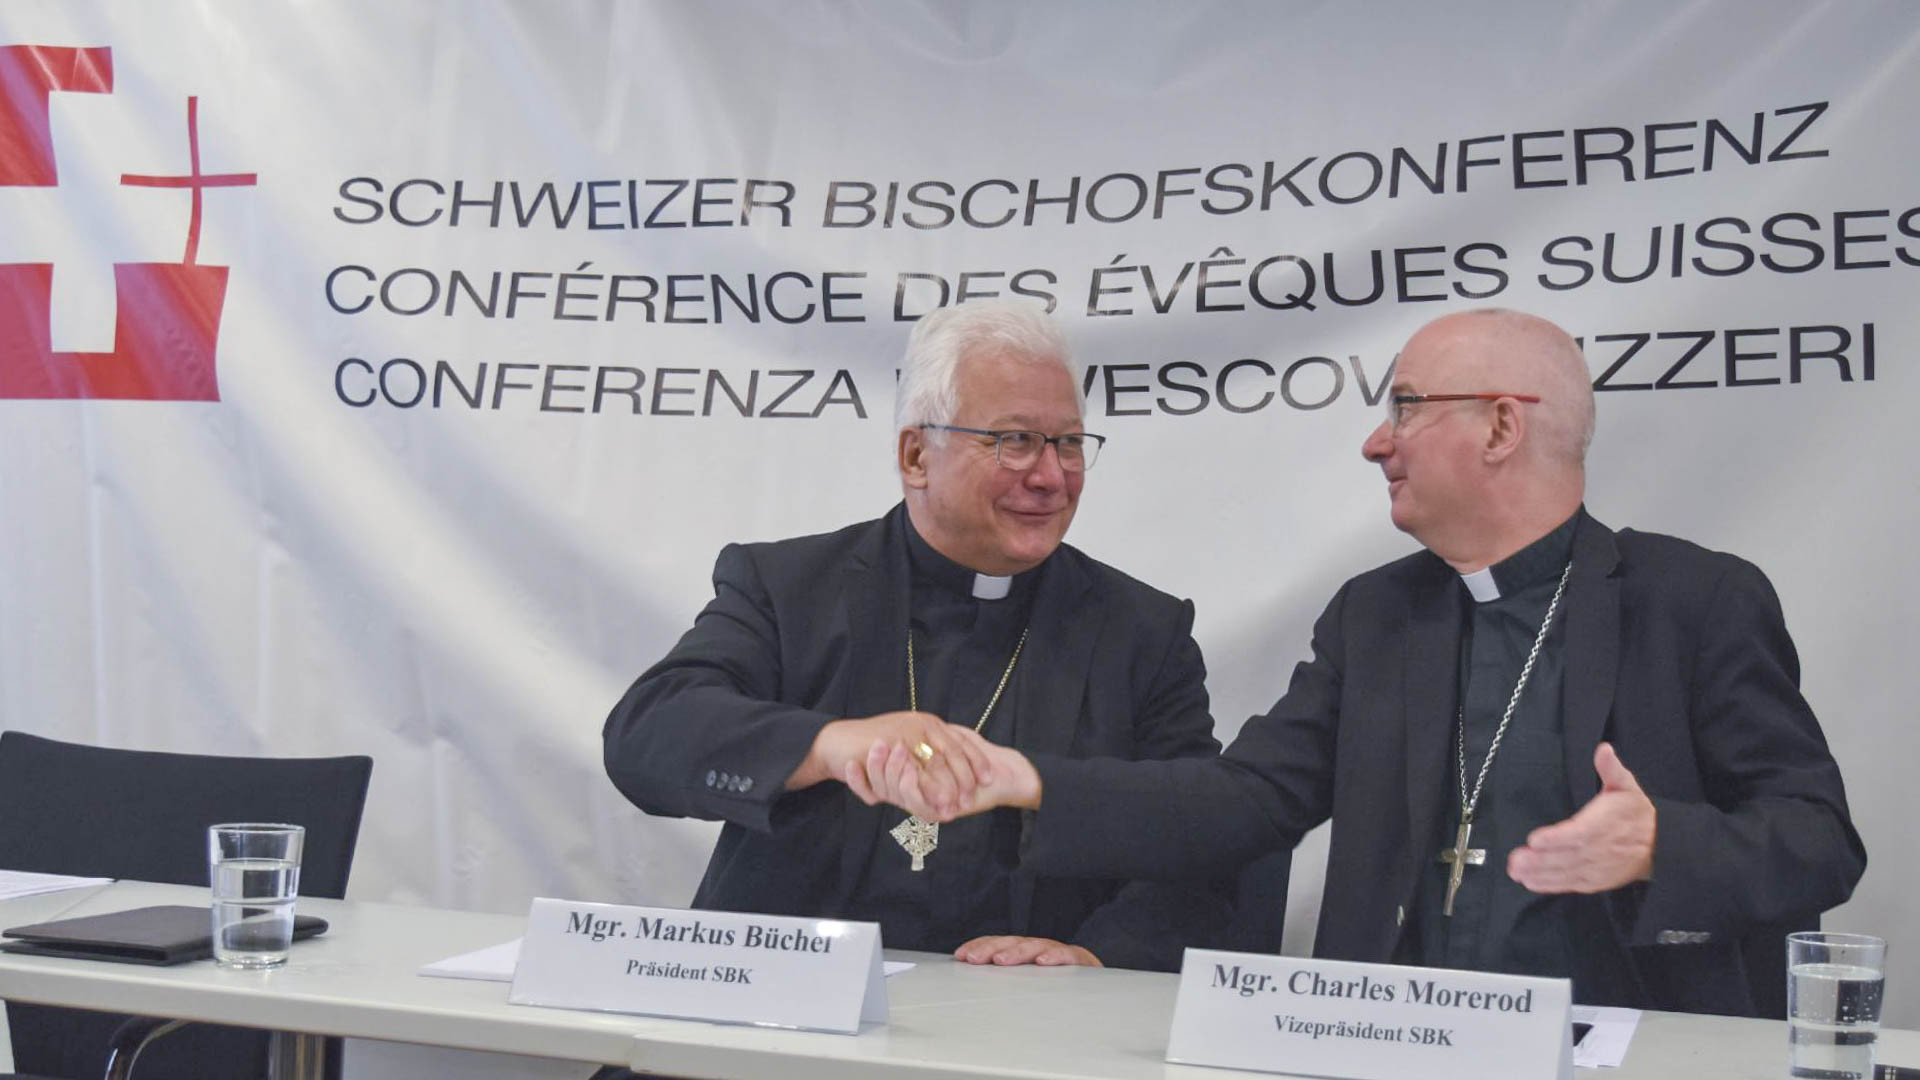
{"x":1605,"y":1046}
{"x":17,"y":883}
{"x":495,"y":963}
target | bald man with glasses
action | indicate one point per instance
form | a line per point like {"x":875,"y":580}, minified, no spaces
{"x":959,"y":612}
{"x":1547,"y":747}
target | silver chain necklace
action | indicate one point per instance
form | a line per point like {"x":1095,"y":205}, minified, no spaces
{"x":917,"y":836}
{"x":1459,"y":855}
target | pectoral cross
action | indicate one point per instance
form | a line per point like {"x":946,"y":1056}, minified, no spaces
{"x":918,"y":837}
{"x":1459,"y":857}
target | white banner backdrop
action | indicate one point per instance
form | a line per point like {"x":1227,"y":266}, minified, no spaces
{"x":529,"y":308}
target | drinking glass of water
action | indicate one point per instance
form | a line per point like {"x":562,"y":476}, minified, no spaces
{"x":255,"y":870}
{"x":1834,"y":984}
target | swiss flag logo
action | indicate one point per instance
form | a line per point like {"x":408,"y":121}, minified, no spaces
{"x":167,"y":321}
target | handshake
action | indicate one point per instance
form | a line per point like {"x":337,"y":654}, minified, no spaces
{"x":923,"y":765}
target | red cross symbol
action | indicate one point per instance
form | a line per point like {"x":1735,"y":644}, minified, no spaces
{"x":167,"y":325}
{"x":195,"y":180}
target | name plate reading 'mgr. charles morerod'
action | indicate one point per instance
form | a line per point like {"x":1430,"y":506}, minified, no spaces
{"x":1368,"y":1021}
{"x":813,"y":974}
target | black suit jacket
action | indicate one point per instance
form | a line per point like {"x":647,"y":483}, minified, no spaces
{"x":1677,"y":655}
{"x":805,"y":631}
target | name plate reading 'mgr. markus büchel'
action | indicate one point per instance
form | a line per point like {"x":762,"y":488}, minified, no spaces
{"x":813,"y":974}
{"x":1368,"y":1021}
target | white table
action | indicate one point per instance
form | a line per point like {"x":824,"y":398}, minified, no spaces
{"x":357,"y":979}
{"x":948,"y":1020}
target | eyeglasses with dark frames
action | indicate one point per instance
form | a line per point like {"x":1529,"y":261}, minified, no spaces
{"x":1020,"y":450}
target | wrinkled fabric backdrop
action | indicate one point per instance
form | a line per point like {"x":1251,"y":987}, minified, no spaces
{"x":399,"y":405}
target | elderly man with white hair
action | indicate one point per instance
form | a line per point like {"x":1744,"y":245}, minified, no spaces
{"x":958,"y":612}
{"x":1547,"y":747}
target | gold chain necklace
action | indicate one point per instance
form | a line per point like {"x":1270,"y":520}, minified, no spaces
{"x":916,"y":835}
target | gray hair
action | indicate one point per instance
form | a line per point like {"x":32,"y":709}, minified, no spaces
{"x":929,"y":390}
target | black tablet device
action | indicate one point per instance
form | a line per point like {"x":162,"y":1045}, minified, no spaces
{"x":167,"y":934}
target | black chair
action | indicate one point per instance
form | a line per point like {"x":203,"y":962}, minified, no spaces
{"x":96,"y":812}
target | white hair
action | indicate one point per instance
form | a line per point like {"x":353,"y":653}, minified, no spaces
{"x":929,"y":390}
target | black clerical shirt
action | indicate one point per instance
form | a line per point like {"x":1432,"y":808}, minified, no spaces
{"x":1497,"y":924}
{"x":961,"y":648}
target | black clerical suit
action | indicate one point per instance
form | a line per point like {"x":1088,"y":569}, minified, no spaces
{"x":805,"y":631}
{"x":1677,"y":655}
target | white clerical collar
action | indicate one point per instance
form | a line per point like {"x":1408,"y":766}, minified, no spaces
{"x":1481,"y":584}
{"x":988,"y":587}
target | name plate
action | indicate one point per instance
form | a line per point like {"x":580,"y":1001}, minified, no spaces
{"x":812,"y":974}
{"x":1368,"y":1021}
